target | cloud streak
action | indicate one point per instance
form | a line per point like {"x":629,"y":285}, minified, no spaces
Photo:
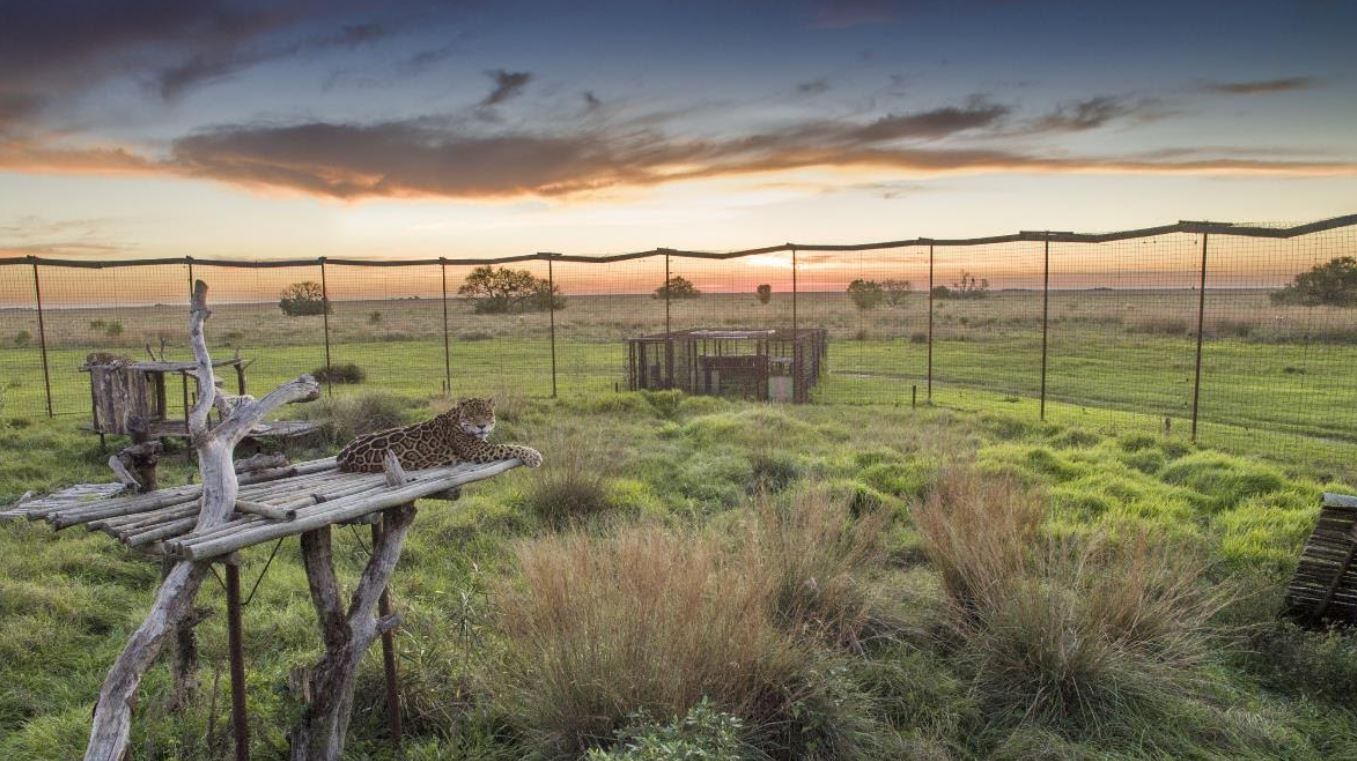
{"x":1262,"y":86}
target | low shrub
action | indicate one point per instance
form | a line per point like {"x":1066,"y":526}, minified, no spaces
{"x":22,"y":339}
{"x":705,"y":733}
{"x":772,"y":471}
{"x":918,"y":338}
{"x":344,"y":372}
{"x":350,"y":416}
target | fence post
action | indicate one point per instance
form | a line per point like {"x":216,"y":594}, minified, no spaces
{"x":42,"y":336}
{"x":667,"y":328}
{"x":551,"y":307}
{"x":447,"y":351}
{"x":798,"y":385}
{"x":189,"y":261}
{"x":1045,"y":314}
{"x":930,"y":323}
{"x":1201,"y":320}
{"x":325,"y":312}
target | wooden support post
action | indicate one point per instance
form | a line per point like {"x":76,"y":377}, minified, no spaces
{"x":1201,"y":322}
{"x":393,"y":701}
{"x":240,"y":722}
{"x":42,"y":336}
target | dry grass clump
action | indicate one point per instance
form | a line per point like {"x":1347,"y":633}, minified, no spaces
{"x":978,"y":533}
{"x":350,"y":416}
{"x":643,"y":620}
{"x":1070,"y":631}
{"x":572,"y":484}
{"x":651,"y":620}
{"x":816,"y":553}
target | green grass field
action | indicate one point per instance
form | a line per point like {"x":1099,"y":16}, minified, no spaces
{"x":1262,"y":689}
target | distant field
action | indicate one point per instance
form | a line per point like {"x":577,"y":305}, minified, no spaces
{"x":1265,"y":368}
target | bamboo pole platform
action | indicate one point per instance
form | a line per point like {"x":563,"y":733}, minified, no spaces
{"x":1323,"y":591}
{"x":272,"y":503}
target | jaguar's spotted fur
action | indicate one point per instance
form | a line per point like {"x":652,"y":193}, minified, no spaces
{"x":458,"y":435}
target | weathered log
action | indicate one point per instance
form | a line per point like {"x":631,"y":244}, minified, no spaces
{"x":261,"y":461}
{"x":319,"y":735}
{"x":265,"y":511}
{"x":174,"y":600}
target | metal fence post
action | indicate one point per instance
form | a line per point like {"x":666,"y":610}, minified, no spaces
{"x":447,"y":350}
{"x":42,"y":336}
{"x":930,"y":323}
{"x":667,"y":328}
{"x":189,"y":261}
{"x":325,"y":314}
{"x":1201,"y":320}
{"x":798,"y":383}
{"x":551,"y":307}
{"x":1045,"y":314}
{"x":240,"y":723}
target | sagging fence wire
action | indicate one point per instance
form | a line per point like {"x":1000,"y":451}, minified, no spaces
{"x":1179,"y":325}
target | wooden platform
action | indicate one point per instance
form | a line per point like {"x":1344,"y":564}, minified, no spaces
{"x":271,"y":504}
{"x":1323,"y":590}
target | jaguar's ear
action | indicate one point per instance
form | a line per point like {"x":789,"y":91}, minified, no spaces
{"x":490,"y":402}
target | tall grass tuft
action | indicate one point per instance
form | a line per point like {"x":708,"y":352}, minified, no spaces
{"x":350,"y":416}
{"x":572,"y":484}
{"x":815,"y":554}
{"x":1071,"y":632}
{"x":978,"y":533}
{"x":643,"y":620}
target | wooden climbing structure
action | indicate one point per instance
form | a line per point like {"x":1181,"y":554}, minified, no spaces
{"x":1323,"y":591}
{"x":238,"y":504}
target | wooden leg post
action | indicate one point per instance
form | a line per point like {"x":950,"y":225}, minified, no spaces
{"x":393,"y":701}
{"x":240,"y":724}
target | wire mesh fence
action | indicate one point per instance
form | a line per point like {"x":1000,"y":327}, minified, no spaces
{"x":1197,"y":328}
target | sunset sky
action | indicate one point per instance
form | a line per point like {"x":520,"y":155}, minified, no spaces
{"x":420,"y":129}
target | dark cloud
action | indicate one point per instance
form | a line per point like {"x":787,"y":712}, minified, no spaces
{"x":426,"y":58}
{"x":842,"y":14}
{"x":1262,"y":86}
{"x":448,"y":158}
{"x":225,"y":60}
{"x":813,"y":87}
{"x":1093,"y":113}
{"x":937,"y":123}
{"x":591,"y":101}
{"x":508,"y":84}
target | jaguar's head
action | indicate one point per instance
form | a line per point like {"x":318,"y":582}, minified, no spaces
{"x":476,"y":416}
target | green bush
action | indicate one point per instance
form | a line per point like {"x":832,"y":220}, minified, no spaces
{"x":703,"y":734}
{"x":22,"y":339}
{"x":344,"y":372}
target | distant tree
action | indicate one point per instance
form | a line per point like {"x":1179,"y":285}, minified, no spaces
{"x":374,"y":318}
{"x":765,"y":293}
{"x":499,"y":290}
{"x":302,"y":299}
{"x":896,"y":291}
{"x":866,"y":294}
{"x":678,"y":287}
{"x":1333,"y":283}
{"x":968,"y":287}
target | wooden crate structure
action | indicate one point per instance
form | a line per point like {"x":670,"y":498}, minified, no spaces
{"x":1323,"y":591}
{"x":761,"y":364}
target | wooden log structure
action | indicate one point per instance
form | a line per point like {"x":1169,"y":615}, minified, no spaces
{"x":237,"y":505}
{"x":1323,"y":590}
